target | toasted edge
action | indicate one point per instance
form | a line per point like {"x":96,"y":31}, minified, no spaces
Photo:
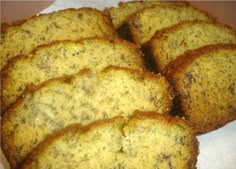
{"x":133,"y":30}
{"x":180,"y":64}
{"x":163,"y":34}
{"x":73,"y":129}
{"x":137,"y":115}
{"x":13,"y":61}
{"x":21,"y":22}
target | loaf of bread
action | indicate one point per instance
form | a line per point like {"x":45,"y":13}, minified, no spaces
{"x":71,"y":24}
{"x":143,"y":141}
{"x":205,"y":83}
{"x":168,"y":44}
{"x":120,"y":14}
{"x":65,"y":58}
{"x":81,"y":98}
{"x":146,"y":22}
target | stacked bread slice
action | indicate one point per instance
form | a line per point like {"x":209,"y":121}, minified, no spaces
{"x":64,"y":58}
{"x":69,"y":24}
{"x":119,"y":143}
{"x":119,"y":15}
{"x":146,"y":22}
{"x":170,"y":43}
{"x":165,"y":32}
{"x":69,"y":97}
{"x":205,"y":82}
{"x":81,"y":98}
{"x":201,"y":105}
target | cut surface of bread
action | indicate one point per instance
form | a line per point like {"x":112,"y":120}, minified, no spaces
{"x":146,"y":22}
{"x":143,"y":141}
{"x":69,"y":24}
{"x":65,"y":58}
{"x":168,"y":44}
{"x":81,"y":98}
{"x":125,"y":9}
{"x":205,"y":83}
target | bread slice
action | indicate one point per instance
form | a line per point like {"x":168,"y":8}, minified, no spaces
{"x":119,"y":143}
{"x":65,"y":58}
{"x":81,"y":98}
{"x":205,"y":83}
{"x":168,"y":44}
{"x":120,"y":14}
{"x":69,"y":24}
{"x":146,"y":22}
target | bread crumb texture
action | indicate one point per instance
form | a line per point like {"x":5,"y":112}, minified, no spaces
{"x":149,"y":142}
{"x":206,"y":86}
{"x":65,"y":58}
{"x":168,"y":44}
{"x":81,"y":98}
{"x":144,"y":24}
{"x":72,"y":24}
{"x":121,"y":13}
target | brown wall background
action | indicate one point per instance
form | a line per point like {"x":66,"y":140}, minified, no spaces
{"x":11,"y":11}
{"x":224,"y":11}
{"x":17,"y":10}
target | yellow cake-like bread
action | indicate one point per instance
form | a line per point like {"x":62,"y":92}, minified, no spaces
{"x":120,"y":14}
{"x":81,"y":98}
{"x":71,"y":24}
{"x":64,"y":58}
{"x":144,"y":23}
{"x":168,"y":44}
{"x":147,"y":141}
{"x":205,"y":83}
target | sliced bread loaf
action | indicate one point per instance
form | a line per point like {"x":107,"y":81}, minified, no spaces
{"x":205,"y":83}
{"x":71,"y":24}
{"x":144,"y":141}
{"x":144,"y":23}
{"x":120,"y":14}
{"x":168,"y":44}
{"x":64,"y":58}
{"x":81,"y":98}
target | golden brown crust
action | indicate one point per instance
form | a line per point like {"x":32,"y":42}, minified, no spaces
{"x":222,"y":122}
{"x":19,"y":23}
{"x":77,"y":128}
{"x":162,"y":35}
{"x":4,"y":75}
{"x":133,"y":30}
{"x":122,"y":4}
{"x":72,"y":129}
{"x":110,"y":31}
{"x":156,"y":5}
{"x":34,"y":88}
{"x":148,"y":75}
{"x":172,"y":120}
{"x":116,"y":40}
{"x":12,"y":61}
{"x":145,"y":74}
{"x":180,"y":64}
{"x":164,"y":117}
